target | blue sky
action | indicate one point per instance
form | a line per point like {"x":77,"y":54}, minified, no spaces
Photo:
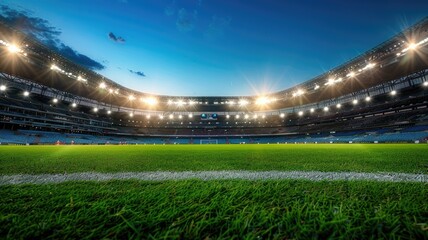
{"x":219,"y":47}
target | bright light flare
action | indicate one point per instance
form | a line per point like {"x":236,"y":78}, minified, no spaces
{"x":338,"y":105}
{"x":282,"y":115}
{"x":243,"y":102}
{"x":262,"y":100}
{"x":425,"y":84}
{"x":12,"y":48}
{"x":312,"y":110}
{"x":351,"y":74}
{"x":26,"y":93}
{"x":3,"y":88}
{"x":300,"y":113}
{"x":325,"y":109}
{"x":412,"y":46}
{"x":55,"y":100}
{"x":355,"y":101}
{"x":108,"y":112}
{"x":95,"y":109}
{"x":298,"y":93}
{"x":73,"y":105}
{"x":150,"y":101}
{"x":103,"y":85}
{"x":393,"y":93}
{"x":368,"y":99}
{"x":131,"y":97}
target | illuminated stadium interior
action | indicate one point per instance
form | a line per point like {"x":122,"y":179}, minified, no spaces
{"x":383,"y":87}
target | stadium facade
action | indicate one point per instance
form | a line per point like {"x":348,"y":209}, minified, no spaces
{"x":379,"y":96}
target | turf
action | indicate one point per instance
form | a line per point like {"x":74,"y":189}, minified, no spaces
{"x":196,"y":209}
{"x":411,"y":158}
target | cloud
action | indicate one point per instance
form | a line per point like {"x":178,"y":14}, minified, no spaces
{"x":138,"y":73}
{"x":217,"y":27}
{"x":170,"y":9}
{"x":115,"y":38}
{"x":42,"y":30}
{"x":186,"y":21}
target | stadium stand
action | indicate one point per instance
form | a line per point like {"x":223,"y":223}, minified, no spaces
{"x":380,"y":96}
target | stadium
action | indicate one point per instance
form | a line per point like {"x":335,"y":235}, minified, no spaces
{"x":341,"y":155}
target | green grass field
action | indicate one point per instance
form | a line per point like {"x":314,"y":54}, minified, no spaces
{"x":410,"y":158}
{"x":220,"y":209}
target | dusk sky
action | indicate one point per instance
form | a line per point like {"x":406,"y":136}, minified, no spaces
{"x":214,"y":48}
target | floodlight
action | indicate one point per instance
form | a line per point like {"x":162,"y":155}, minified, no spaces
{"x":330,"y":81}
{"x":255,"y":116}
{"x":351,"y":74}
{"x":171,"y":116}
{"x":368,"y":99}
{"x":190,"y":115}
{"x":355,"y":102}
{"x":55,"y":67}
{"x":338,"y":105}
{"x":316,"y":87}
{"x":148,"y":116}
{"x":282,"y":115}
{"x":246,"y":116}
{"x":2,"y":88}
{"x":227,"y":116}
{"x":180,"y":102}
{"x":150,"y":100}
{"x":26,"y":93}
{"x":298,"y":93}
{"x":95,"y":109}
{"x":300,"y":113}
{"x":412,"y":46}
{"x":425,"y":84}
{"x":263,"y":116}
{"x":74,"y":105}
{"x":262,"y":100}
{"x":237,"y":116}
{"x":325,"y":109}
{"x":55,"y":100}
{"x":312,"y":110}
{"x":103,"y":85}
{"x":131,"y":97}
{"x":191,"y":102}
{"x":243,"y":102}
{"x":160,"y":116}
{"x":369,"y":66}
{"x":393,"y":93}
{"x":111,"y":90}
{"x":108,"y":112}
{"x":12,"y":48}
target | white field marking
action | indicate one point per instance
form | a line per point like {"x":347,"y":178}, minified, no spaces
{"x":212,"y":175}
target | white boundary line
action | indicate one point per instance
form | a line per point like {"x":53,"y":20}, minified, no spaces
{"x":211,"y":175}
